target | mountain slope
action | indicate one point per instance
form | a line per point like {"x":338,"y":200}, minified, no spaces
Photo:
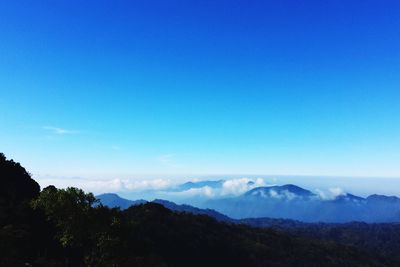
{"x":288,"y":191}
{"x":379,"y":239}
{"x":193,"y":185}
{"x":201,"y":241}
{"x":112,"y":200}
{"x":190,"y":209}
{"x":294,"y":202}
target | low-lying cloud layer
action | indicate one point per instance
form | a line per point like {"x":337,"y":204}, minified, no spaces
{"x":165,"y":187}
{"x":107,"y":186}
{"x":231,"y":187}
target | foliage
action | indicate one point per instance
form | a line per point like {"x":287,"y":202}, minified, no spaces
{"x":70,"y":210}
{"x":380,"y":238}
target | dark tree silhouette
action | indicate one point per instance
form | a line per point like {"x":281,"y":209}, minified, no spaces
{"x":17,"y":185}
{"x":17,"y":220}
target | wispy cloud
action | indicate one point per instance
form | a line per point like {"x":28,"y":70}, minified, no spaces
{"x":331,"y":193}
{"x":60,"y":131}
{"x":166,"y":159}
{"x":169,"y":160}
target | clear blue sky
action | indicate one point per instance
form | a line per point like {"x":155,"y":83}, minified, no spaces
{"x":201,"y":87}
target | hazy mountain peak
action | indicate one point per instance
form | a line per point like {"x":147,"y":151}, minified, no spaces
{"x":288,"y":191}
{"x":193,"y":185}
{"x":349,"y":197}
{"x":114,"y":200}
{"x":382,"y":198}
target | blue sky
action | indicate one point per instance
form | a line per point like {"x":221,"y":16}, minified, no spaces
{"x":112,"y":88}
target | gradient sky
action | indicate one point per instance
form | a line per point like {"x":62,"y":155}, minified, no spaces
{"x":92,"y":88}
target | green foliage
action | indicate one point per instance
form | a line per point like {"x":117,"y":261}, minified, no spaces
{"x":70,"y":209}
{"x":380,"y":239}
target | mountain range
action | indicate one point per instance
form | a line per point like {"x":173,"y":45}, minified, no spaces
{"x":112,"y":200}
{"x":288,"y":202}
{"x":293,"y":202}
{"x":198,"y":184}
{"x":377,"y":238}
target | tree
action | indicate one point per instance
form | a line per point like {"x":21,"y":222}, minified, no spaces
{"x":69,"y":210}
{"x":17,"y":189}
{"x":17,"y":186}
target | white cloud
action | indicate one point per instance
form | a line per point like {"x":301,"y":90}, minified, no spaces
{"x":60,"y":131}
{"x":156,"y":184}
{"x":106,"y":186}
{"x":231,"y":187}
{"x":337,"y":191}
{"x":285,"y":194}
{"x":330,"y":194}
{"x":205,"y":191}
{"x":240,"y":186}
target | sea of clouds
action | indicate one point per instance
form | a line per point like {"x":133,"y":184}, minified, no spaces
{"x":162,"y":187}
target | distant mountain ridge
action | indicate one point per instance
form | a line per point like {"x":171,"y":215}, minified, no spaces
{"x":379,"y":239}
{"x":112,"y":200}
{"x":285,"y":191}
{"x":287,"y":202}
{"x":199,"y":184}
{"x":293,"y":202}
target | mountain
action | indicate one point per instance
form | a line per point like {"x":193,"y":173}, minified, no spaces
{"x":346,"y":197}
{"x":286,"y":202}
{"x":113,"y":200}
{"x":380,"y":198}
{"x":190,"y":209}
{"x":378,"y":239}
{"x":296,"y":203}
{"x":182,"y":239}
{"x":374,"y":241}
{"x":193,"y":185}
{"x":288,"y":192}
